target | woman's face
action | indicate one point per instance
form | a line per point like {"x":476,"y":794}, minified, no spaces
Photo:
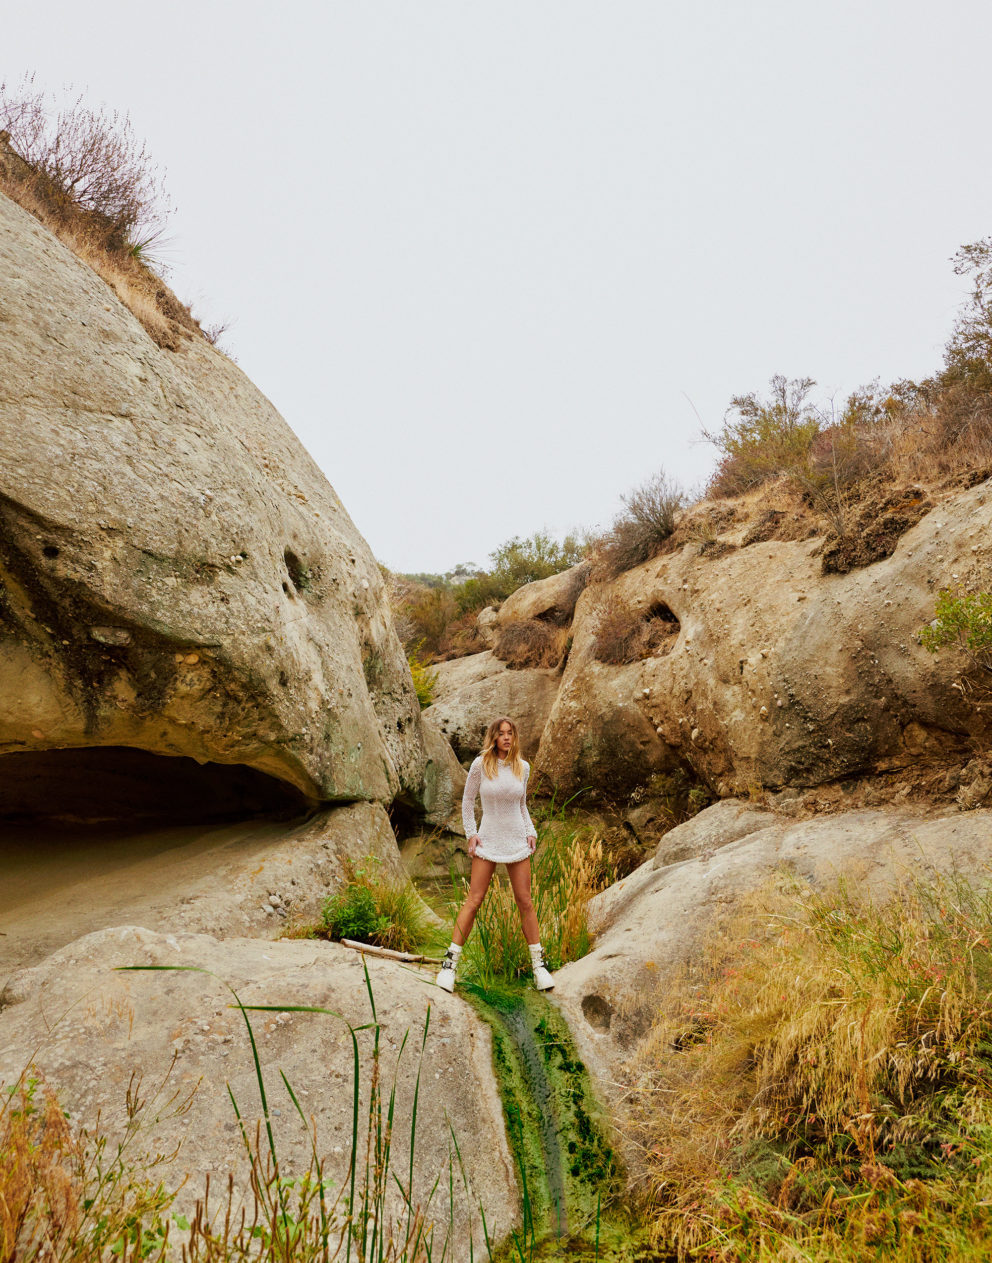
{"x":505,"y":738}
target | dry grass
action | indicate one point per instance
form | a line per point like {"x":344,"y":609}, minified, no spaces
{"x":623,"y":635}
{"x":531,"y":642}
{"x":66,"y":1193}
{"x":84,"y":176}
{"x":821,"y":1087}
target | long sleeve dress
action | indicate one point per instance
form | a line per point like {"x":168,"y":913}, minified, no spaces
{"x":506,"y":823}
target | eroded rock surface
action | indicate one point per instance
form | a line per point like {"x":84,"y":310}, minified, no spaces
{"x":779,"y":674}
{"x":176,"y":574}
{"x":552,"y":599}
{"x":88,"y":1028}
{"x":653,"y":920}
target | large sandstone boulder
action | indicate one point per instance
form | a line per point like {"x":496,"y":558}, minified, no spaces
{"x":552,"y":599}
{"x":775,"y":673}
{"x":176,"y":574}
{"x":651,"y":922}
{"x":444,"y":781}
{"x":88,"y":1029}
{"x":471,"y":692}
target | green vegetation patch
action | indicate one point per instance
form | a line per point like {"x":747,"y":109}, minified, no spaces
{"x":566,"y":1167}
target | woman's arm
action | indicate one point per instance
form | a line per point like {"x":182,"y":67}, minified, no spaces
{"x":468,"y":799}
{"x":525,"y":814}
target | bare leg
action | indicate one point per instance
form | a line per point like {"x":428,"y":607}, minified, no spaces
{"x":482,"y":875}
{"x":519,"y":875}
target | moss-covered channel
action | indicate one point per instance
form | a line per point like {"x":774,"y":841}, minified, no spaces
{"x":559,"y":1136}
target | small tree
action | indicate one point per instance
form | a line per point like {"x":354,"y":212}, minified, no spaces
{"x":968,"y":354}
{"x":763,"y":438}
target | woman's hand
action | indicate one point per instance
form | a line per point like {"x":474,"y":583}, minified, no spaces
{"x":473,"y":844}
{"x":532,"y":843}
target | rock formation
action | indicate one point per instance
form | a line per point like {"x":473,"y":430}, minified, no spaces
{"x":776,"y":673}
{"x":471,"y":692}
{"x":651,"y":922}
{"x":100,"y":1026}
{"x":176,"y":575}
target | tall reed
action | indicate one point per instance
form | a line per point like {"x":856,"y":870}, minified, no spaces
{"x":566,"y":871}
{"x":67,"y":1195}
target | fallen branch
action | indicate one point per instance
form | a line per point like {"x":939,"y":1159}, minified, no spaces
{"x":389,"y":953}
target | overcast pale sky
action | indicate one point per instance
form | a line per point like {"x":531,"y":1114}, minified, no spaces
{"x":482,"y":256}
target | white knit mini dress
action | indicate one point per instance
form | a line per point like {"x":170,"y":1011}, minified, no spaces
{"x":506,"y":823}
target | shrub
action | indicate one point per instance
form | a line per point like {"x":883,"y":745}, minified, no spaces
{"x":352,"y":913}
{"x":639,"y":532}
{"x":530,"y":642}
{"x":69,"y":1194}
{"x":619,"y":633}
{"x":84,"y":174}
{"x":515,"y":563}
{"x":623,"y":636}
{"x":822,"y":1080}
{"x":372,"y":910}
{"x":429,"y":614}
{"x":962,"y":619}
{"x":763,"y":438}
{"x":424,"y":679}
{"x":89,"y":160}
{"x":968,"y":355}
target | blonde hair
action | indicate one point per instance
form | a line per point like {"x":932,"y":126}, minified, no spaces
{"x":490,"y":756}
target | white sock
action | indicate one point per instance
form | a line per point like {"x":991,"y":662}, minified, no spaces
{"x":536,"y":953}
{"x":455,"y":950}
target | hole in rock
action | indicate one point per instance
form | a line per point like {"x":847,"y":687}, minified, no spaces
{"x":663,"y":612}
{"x":118,"y":784}
{"x":50,"y":551}
{"x":113,"y":836}
{"x":297,"y":571}
{"x":597,"y":1012}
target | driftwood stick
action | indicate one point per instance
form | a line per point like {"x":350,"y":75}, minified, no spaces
{"x":388,"y":952}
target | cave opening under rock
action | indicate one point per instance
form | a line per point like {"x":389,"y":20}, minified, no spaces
{"x":120,"y":784}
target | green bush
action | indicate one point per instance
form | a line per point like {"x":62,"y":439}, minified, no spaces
{"x":963,"y":619}
{"x":763,"y":438}
{"x":352,"y":913}
{"x":371,"y":910}
{"x":424,"y":679}
{"x":515,"y":563}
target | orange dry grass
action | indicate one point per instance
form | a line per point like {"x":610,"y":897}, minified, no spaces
{"x":531,"y":642}
{"x":40,"y":1192}
{"x":92,"y":239}
{"x":822,"y":1072}
{"x":929,"y":446}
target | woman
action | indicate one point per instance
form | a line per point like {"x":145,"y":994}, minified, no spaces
{"x":505,"y":836}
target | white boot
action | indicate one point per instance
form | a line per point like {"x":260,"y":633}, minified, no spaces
{"x":446,"y":975}
{"x":543,"y":978}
